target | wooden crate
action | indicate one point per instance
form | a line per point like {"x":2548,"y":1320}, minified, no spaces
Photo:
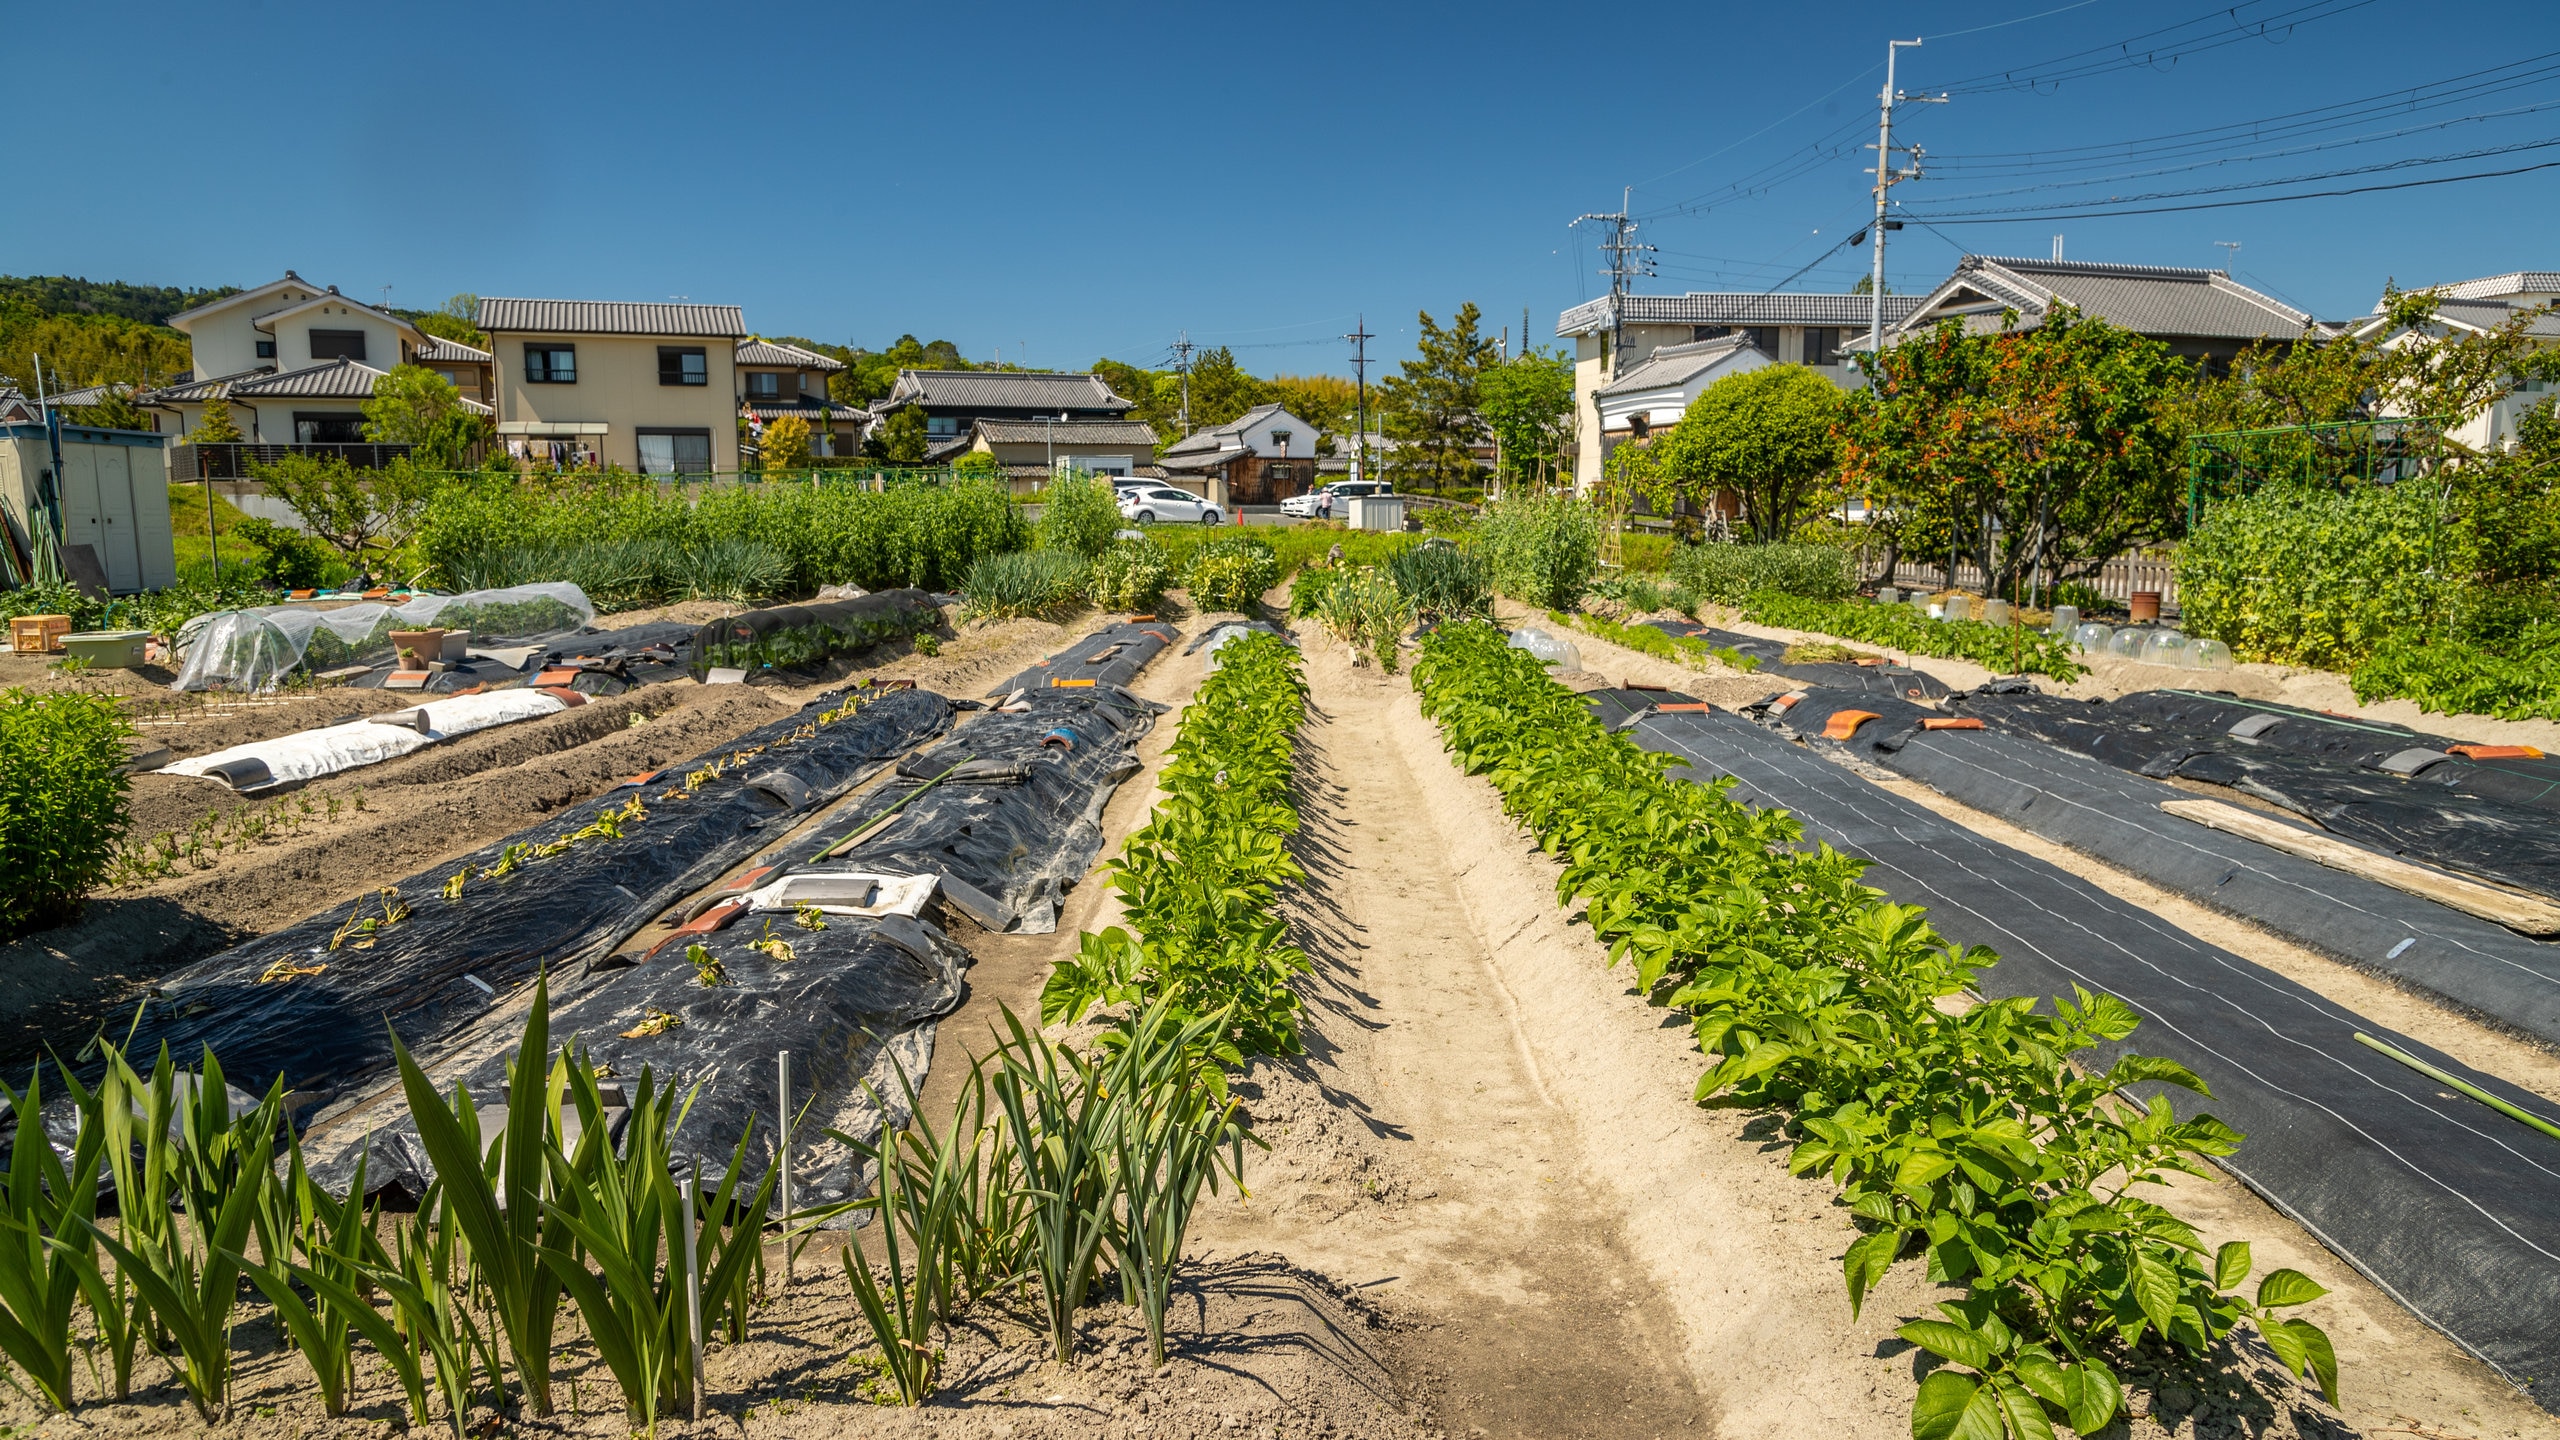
{"x":38,"y":634}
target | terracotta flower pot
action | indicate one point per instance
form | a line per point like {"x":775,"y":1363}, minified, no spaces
{"x":426,"y":645}
{"x":2145,"y":605}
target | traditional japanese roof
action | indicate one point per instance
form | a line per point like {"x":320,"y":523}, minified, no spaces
{"x":184,"y":318}
{"x":340,"y":379}
{"x":1701,"y":307}
{"x":437,"y":348}
{"x":804,"y":407}
{"x":209,"y":388}
{"x":2155,"y":300}
{"x":1676,"y":365}
{"x":774,"y":352}
{"x":1137,"y":433}
{"x":611,"y":317}
{"x":1004,"y":390}
{"x":2490,"y":287}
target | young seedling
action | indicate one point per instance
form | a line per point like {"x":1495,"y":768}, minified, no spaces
{"x":707,"y":969}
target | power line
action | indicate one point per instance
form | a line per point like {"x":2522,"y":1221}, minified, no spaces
{"x":2238,"y":185}
{"x":2264,"y":199}
{"x":2155,"y":49}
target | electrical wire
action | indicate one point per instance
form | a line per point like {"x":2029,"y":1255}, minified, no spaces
{"x":2265,"y":199}
{"x":2240,"y":185}
{"x":2121,"y":54}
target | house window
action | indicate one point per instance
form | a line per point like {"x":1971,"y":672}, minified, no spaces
{"x":682,"y":365}
{"x":551,"y":364}
{"x":1821,"y":345}
{"x":266,"y":349}
{"x":764,"y":385}
{"x":675,"y":452}
{"x":1280,"y":473}
{"x":1763,"y":338}
{"x":318,"y":428}
{"x":337,"y":345}
{"x":941,"y":425}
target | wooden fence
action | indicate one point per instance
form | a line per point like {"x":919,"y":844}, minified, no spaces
{"x":2117,"y":580}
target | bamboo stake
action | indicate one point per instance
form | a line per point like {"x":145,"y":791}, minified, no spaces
{"x":693,"y":1277}
{"x":782,"y":1151}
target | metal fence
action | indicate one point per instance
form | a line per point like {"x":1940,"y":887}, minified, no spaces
{"x":220,"y":461}
{"x":2229,"y":464}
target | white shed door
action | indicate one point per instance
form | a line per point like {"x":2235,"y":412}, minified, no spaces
{"x":120,"y":547}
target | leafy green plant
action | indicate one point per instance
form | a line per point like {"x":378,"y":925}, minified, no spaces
{"x":1729,"y":574}
{"x":1032,"y":582}
{"x":47,"y":1256}
{"x":1231,"y":572}
{"x":63,"y":808}
{"x":1131,"y":575}
{"x":1541,"y":549}
{"x":2312,"y":577}
{"x":1442,"y":582}
{"x":1174,"y":1120}
{"x":335,"y":1240}
{"x":1054,"y":1102}
{"x":2005,"y":649}
{"x":1365,"y":610}
{"x":1972,"y":1134}
{"x":1644,"y":639}
{"x":2454,"y":677}
{"x":1079,"y":514}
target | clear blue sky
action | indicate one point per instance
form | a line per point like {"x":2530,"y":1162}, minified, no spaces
{"x":1060,"y":182}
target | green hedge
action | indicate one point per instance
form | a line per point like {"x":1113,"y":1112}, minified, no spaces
{"x":62,"y":802}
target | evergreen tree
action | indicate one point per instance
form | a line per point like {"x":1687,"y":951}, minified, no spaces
{"x":215,"y":426}
{"x":1432,"y":407}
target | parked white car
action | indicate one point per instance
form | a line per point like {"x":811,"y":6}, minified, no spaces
{"x":1151,"y":504}
{"x":1307,"y":506}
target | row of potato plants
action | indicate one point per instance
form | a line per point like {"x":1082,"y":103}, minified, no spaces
{"x":1958,"y":1129}
{"x":2001,"y":649}
{"x":1060,"y":1170}
{"x":461,"y":1303}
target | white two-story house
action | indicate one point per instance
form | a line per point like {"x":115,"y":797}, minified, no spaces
{"x":294,"y":361}
{"x":2477,"y":306}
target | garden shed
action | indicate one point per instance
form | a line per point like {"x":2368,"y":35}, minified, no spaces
{"x":114,"y":494}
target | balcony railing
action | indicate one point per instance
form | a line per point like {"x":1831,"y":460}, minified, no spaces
{"x":236,"y":462}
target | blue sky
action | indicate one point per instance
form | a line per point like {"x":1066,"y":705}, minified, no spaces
{"x":1058,"y":182}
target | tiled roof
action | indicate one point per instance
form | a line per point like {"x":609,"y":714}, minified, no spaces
{"x":1700,"y":307}
{"x":2158,"y":300}
{"x":242,"y":296}
{"x":205,"y":389}
{"x":1220,"y":435}
{"x":774,"y":352}
{"x":2490,"y":287}
{"x":339,"y":379}
{"x":1199,"y":460}
{"x":805,"y":409}
{"x":2489,"y":314}
{"x":611,"y":317}
{"x":1072,"y":432}
{"x":1679,"y":364}
{"x":14,"y":404}
{"x":937,"y":452}
{"x":450,"y":352}
{"x":1004,"y":390}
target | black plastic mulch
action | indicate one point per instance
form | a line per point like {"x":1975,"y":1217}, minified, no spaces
{"x":1899,"y":681}
{"x":2451,"y":1206}
{"x":1112,"y":655}
{"x":265,"y":1010}
{"x":2496,"y":818}
{"x":1018,"y":821}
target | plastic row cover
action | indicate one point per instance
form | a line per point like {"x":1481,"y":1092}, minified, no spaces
{"x":787,"y":636}
{"x":254,"y":649}
{"x":316,"y":1001}
{"x":1112,"y":655}
{"x":1008,"y":810}
{"x":307,"y":755}
{"x":2455,"y":1208}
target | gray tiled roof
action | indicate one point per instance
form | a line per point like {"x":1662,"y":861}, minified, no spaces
{"x":1702,"y":307}
{"x":938,"y":452}
{"x":2514,"y":282}
{"x":1195,"y":461}
{"x":1219,"y":435}
{"x":2489,"y":314}
{"x":204,"y":389}
{"x":1679,"y":364}
{"x":611,"y":317}
{"x":1004,"y":390}
{"x":805,"y":408}
{"x":14,"y":404}
{"x":2157,"y":300}
{"x":773,"y":352}
{"x":1072,"y":432}
{"x":340,"y":379}
{"x":449,"y":351}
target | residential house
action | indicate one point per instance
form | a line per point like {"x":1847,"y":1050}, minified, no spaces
{"x":1032,"y":451}
{"x":1788,"y":329}
{"x":646,"y":386}
{"x":2476,"y":306}
{"x":2204,"y":315}
{"x":296,"y":361}
{"x":473,"y":372}
{"x":775,"y":380}
{"x":954,"y":400}
{"x":1261,"y":457}
{"x":18,"y":407}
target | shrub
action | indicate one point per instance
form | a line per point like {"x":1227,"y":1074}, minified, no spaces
{"x":1367,"y":611}
{"x":1078,"y":515}
{"x":1231,"y":572}
{"x":1729,"y":574}
{"x":1541,"y":549}
{"x":62,"y":802}
{"x":293,"y":560}
{"x":786,"y":444}
{"x":59,"y":598}
{"x":2454,"y":677}
{"x":1131,"y":575}
{"x":1442,"y":582}
{"x":1027,"y":582}
{"x":2305,"y":577}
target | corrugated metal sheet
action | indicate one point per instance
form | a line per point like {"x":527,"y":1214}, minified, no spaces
{"x":769,"y":352}
{"x":611,"y":317}
{"x":1003,"y":390}
{"x":1735,"y":308}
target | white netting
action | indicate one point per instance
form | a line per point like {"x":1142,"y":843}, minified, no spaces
{"x":255,"y":649}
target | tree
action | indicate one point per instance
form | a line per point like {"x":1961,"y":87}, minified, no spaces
{"x":1766,"y":434}
{"x":1431,"y":406}
{"x":115,"y":410}
{"x":2048,"y":451}
{"x":1528,"y":404}
{"x":457,"y":319}
{"x":354,"y":510}
{"x":979,"y":463}
{"x":2410,"y":363}
{"x":900,"y":439}
{"x":417,"y":407}
{"x":1221,"y":390}
{"x":83,"y":349}
{"x":786,"y":444}
{"x":215,"y":426}
{"x":1324,"y":401}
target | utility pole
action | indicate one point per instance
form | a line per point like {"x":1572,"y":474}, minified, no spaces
{"x":1886,"y":178}
{"x":1627,"y":260}
{"x":1360,"y":338}
{"x":1182,"y":362}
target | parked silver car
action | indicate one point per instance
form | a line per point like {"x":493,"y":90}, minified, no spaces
{"x":1150,"y":504}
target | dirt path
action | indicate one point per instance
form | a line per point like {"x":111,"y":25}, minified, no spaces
{"x":1417,"y":1151}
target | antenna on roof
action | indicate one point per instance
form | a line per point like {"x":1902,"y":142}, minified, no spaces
{"x":2057,"y":247}
{"x":2230,"y":252}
